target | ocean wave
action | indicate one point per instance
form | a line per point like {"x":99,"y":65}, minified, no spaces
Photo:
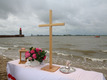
{"x":85,"y":58}
{"x":82,"y":51}
{"x":95,"y":59}
{"x":97,"y":67}
{"x":76,"y":50}
{"x":104,"y":51}
{"x":67,"y":45}
{"x":64,"y":49}
{"x":4,"y":48}
{"x":15,"y":46}
{"x":62,"y":54}
{"x":80,"y":57}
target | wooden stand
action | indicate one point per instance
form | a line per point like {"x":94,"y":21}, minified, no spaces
{"x":53,"y":69}
{"x":50,"y":67}
{"x":22,"y":61}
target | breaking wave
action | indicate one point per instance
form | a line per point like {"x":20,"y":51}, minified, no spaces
{"x":95,"y":59}
{"x":78,"y":57}
{"x":4,"y":48}
{"x":104,"y":51}
{"x":15,"y":46}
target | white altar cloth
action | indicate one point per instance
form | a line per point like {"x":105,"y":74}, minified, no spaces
{"x":21,"y":72}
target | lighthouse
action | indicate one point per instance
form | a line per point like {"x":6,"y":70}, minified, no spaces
{"x":19,"y":35}
{"x":20,"y":31}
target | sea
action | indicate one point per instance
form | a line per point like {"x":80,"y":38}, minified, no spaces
{"x":87,"y":52}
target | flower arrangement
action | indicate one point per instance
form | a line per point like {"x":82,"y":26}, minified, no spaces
{"x":35,"y":54}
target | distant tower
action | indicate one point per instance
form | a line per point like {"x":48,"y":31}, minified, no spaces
{"x":20,"y":31}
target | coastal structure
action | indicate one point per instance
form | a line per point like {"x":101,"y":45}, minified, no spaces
{"x":20,"y":35}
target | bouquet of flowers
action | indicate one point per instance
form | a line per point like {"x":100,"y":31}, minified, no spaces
{"x":35,"y":54}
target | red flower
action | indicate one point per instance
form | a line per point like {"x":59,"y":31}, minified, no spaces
{"x":32,"y":51}
{"x":39,"y":53}
{"x":37,"y":49}
{"x":44,"y":58}
{"x":34,"y":56}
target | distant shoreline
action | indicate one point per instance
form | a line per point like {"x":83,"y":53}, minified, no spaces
{"x":69,"y":35}
{"x":6,"y":36}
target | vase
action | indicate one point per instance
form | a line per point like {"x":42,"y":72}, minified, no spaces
{"x":34,"y":63}
{"x":27,"y":63}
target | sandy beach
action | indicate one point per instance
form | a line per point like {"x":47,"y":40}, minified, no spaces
{"x":3,"y":63}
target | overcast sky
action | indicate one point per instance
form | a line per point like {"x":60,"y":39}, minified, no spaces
{"x":80,"y":16}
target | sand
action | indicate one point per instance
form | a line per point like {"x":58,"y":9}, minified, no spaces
{"x":3,"y":64}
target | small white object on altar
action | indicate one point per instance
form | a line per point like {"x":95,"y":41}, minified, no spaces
{"x":27,"y":63}
{"x":21,"y":72}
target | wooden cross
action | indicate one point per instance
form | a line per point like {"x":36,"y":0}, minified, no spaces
{"x":50,"y":67}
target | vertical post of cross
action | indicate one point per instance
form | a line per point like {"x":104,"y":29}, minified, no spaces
{"x":50,"y":38}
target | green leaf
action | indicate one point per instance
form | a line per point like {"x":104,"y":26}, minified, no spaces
{"x":32,"y":59}
{"x":31,"y":48}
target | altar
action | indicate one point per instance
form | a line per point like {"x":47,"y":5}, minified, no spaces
{"x":21,"y":72}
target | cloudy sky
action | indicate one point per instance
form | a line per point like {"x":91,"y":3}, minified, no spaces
{"x":80,"y":16}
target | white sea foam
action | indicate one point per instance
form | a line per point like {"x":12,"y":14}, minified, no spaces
{"x":59,"y":53}
{"x":95,"y":59}
{"x":3,"y":48}
{"x":15,"y":46}
{"x":62,"y":54}
{"x":72,"y":48}
{"x":4,"y":56}
{"x":47,"y":51}
{"x":84,"y":57}
{"x":104,"y":51}
{"x":65,"y":54}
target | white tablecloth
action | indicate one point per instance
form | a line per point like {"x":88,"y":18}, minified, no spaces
{"x":20,"y":72}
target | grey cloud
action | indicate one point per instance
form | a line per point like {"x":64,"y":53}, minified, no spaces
{"x":80,"y":16}
{"x":10,"y":6}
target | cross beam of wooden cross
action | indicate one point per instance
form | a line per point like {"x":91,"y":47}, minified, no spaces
{"x":50,"y":67}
